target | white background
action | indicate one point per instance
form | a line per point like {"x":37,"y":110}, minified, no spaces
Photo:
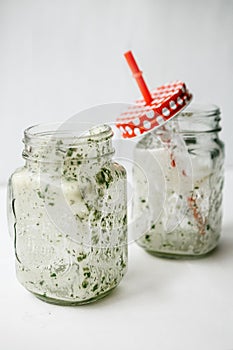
{"x":58,"y":57}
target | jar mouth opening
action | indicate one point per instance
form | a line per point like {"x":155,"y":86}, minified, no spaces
{"x":75,"y":132}
{"x":199,"y":110}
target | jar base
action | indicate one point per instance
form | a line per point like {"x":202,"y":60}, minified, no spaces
{"x":180,"y":256}
{"x":71,"y":303}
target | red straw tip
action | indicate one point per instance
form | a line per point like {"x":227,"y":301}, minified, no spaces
{"x":128,"y":54}
{"x":131,"y":62}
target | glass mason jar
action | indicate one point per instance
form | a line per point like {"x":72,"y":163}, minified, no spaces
{"x":68,"y":215}
{"x":178,"y":181}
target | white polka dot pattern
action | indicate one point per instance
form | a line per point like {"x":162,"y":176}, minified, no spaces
{"x":165,"y":112}
{"x":136,"y":121}
{"x":172,"y":105}
{"x":150,"y":114}
{"x":147,"y":124}
{"x":160,"y":120}
{"x":168,"y":101}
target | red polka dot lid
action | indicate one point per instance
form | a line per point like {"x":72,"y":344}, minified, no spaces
{"x":157,"y":107}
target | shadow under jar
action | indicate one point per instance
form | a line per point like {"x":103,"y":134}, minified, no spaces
{"x":68,"y":214}
{"x":178,"y":182}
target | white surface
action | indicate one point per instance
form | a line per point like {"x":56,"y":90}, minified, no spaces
{"x":160,"y":304}
{"x":59,"y":57}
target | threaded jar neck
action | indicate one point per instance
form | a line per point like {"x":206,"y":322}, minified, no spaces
{"x":199,"y":119}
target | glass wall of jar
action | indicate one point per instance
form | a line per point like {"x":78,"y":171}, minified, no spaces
{"x":68,"y":214}
{"x":178,"y":181}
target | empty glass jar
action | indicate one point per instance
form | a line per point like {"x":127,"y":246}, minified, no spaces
{"x":68,"y":214}
{"x":178,"y":181}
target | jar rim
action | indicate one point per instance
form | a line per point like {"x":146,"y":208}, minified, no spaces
{"x":81,"y":132}
{"x":197,"y":110}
